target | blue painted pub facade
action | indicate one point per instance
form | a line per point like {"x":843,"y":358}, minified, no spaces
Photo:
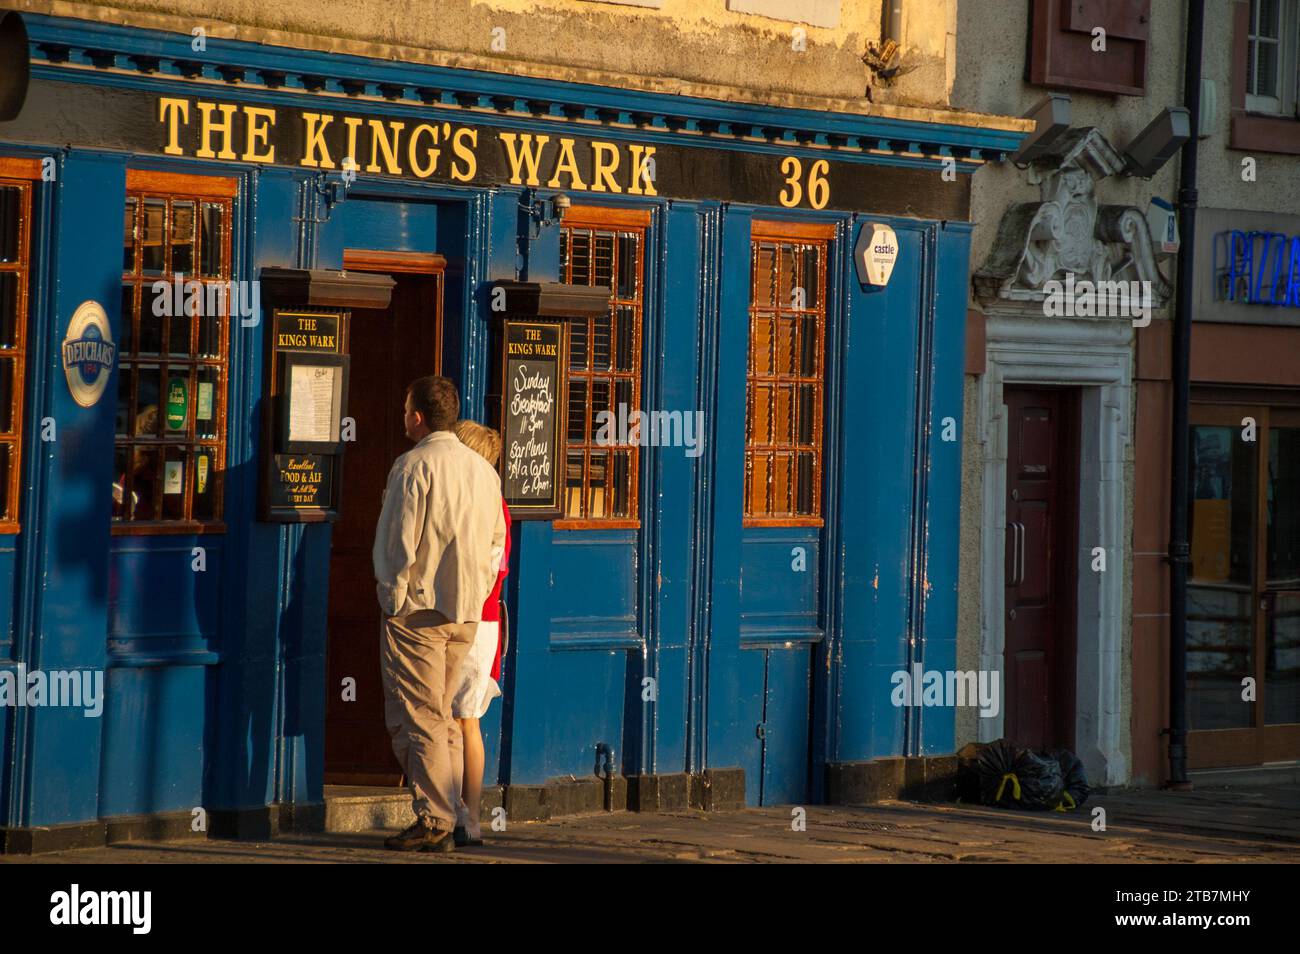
{"x":682,"y":638}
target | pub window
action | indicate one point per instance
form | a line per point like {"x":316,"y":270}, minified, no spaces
{"x":786,"y":374}
{"x":1271,"y":56}
{"x":604,"y":247}
{"x":171,"y":403}
{"x":15,"y":260}
{"x":1243,"y":591}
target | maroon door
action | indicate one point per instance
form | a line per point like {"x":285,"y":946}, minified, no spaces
{"x":1041,"y":542}
{"x":389,"y":350}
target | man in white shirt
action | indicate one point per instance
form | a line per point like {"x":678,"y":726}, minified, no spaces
{"x":437,"y":547}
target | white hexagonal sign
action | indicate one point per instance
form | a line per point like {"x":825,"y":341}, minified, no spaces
{"x":875,"y":253}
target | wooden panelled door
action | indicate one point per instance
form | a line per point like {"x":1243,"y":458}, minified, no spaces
{"x":1041,"y":542}
{"x":389,"y":349}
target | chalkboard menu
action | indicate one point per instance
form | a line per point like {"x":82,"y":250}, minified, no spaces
{"x":533,"y":388}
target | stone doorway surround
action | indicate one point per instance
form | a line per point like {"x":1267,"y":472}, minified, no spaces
{"x":1096,"y":358}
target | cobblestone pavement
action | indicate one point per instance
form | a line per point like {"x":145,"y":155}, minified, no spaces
{"x":1204,"y":826}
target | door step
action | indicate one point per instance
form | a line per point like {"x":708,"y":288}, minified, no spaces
{"x":351,"y":808}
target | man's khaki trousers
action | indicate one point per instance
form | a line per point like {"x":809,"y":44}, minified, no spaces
{"x":420,"y":657}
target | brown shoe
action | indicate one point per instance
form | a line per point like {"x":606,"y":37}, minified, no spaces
{"x":420,"y":837}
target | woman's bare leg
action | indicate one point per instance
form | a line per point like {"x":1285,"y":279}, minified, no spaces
{"x":471,"y":791}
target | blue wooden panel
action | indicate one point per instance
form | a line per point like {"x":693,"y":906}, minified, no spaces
{"x":673,"y":482}
{"x":593,"y":578}
{"x":785,"y":726}
{"x":377,"y":222}
{"x":73,"y":517}
{"x":878,"y":403}
{"x":8,"y":594}
{"x":779,"y":601}
{"x":943,"y":508}
{"x":143,"y":568}
{"x":735,"y":676}
{"x":247,"y":684}
{"x":154,"y":740}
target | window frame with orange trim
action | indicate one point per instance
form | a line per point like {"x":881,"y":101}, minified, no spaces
{"x":620,"y":224}
{"x":166,"y":191}
{"x":766,"y":320}
{"x":19,"y":174}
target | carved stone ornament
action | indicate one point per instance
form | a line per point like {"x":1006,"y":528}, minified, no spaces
{"x":1068,"y":233}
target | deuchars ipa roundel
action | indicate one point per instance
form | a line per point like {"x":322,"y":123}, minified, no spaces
{"x":88,"y":353}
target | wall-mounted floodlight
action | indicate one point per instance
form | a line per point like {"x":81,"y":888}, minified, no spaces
{"x":1052,"y":115}
{"x":1155,"y":145}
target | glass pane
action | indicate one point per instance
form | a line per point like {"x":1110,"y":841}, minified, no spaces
{"x":128,"y":320}
{"x":807,"y":413}
{"x":8,"y":508}
{"x":152,"y":247}
{"x":125,"y":379}
{"x":625,"y":316}
{"x":786,"y":356}
{"x":207,"y":480}
{"x":128,"y":236}
{"x":761,"y":345}
{"x":622,"y":482}
{"x":601,"y":333}
{"x":173,"y":486}
{"x":210,"y":320}
{"x":810,"y":275}
{"x":182,"y":237}
{"x":213,"y":228}
{"x":1282,"y":541}
{"x":151,"y":322}
{"x":1282,"y":659}
{"x":11,"y":206}
{"x":7,"y":395}
{"x":783,"y":417}
{"x":622,"y":402}
{"x":573,"y":485}
{"x":758,"y":489}
{"x":1266,"y":73}
{"x":626,"y":265}
{"x":782,"y":468}
{"x":1267,"y":22}
{"x":600,"y":394}
{"x":179,"y":324}
{"x":1220,"y":617}
{"x":564,"y":256}
{"x":8,"y":309}
{"x":147,"y":423}
{"x":765,"y":276}
{"x":581,"y":255}
{"x":807,"y":484}
{"x":207,"y":403}
{"x":760,"y":415}
{"x":1223,"y":506}
{"x":603,"y":260}
{"x":578,"y":346}
{"x":787,"y":276}
{"x":176,"y":412}
{"x":596,"y":485}
{"x":808,"y":346}
{"x":577,"y":410}
{"x":120,"y":480}
{"x":145,"y":489}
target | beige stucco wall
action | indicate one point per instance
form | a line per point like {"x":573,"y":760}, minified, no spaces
{"x":990,"y":68}
{"x":688,"y":41}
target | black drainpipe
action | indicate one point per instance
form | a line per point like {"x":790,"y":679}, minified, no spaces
{"x":892,"y":20}
{"x":1178,"y":549}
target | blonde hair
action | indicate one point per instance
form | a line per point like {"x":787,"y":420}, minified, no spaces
{"x":482,"y":440}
